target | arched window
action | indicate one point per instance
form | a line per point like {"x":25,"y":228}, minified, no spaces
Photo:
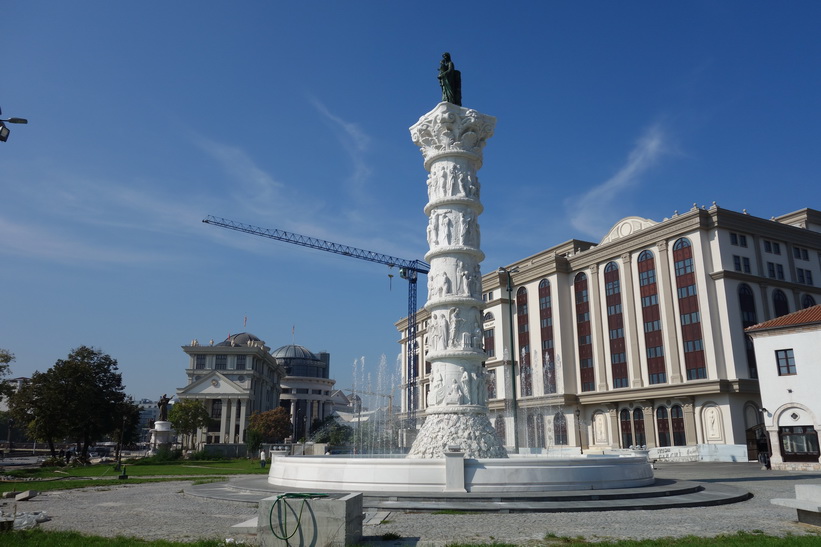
{"x":499,"y":426}
{"x":694,"y":361}
{"x":651,"y":315}
{"x":746,"y":302}
{"x":488,"y":317}
{"x":615,"y":325}
{"x":525,"y":370}
{"x":807,"y":301}
{"x":559,"y":429}
{"x":780,"y":304}
{"x":587,"y":374}
{"x":535,"y":431}
{"x":626,"y":428}
{"x":663,"y":426}
{"x":638,"y":426}
{"x":546,"y":331}
{"x":677,"y":417}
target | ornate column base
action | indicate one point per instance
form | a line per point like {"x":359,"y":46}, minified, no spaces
{"x":471,"y":432}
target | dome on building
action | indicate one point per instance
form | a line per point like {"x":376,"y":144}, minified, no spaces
{"x":241,"y":339}
{"x":294,"y":352}
{"x":300,"y":361}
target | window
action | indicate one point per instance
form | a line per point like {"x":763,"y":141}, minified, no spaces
{"x":616,"y":333}
{"x":199,"y":362}
{"x":771,"y":269}
{"x":807,"y":301}
{"x":615,"y":309}
{"x":490,"y":295}
{"x":657,"y":351}
{"x":546,"y":332}
{"x":786,"y":362}
{"x":663,"y":426}
{"x":651,"y":300}
{"x":677,"y":419}
{"x":647,"y":278}
{"x":638,"y":425}
{"x":491,"y":384}
{"x":800,"y":253}
{"x":221,"y":362}
{"x":626,"y":428}
{"x":737,"y":263}
{"x":689,"y":290}
{"x":780,"y":303}
{"x":799,"y":443}
{"x":587,"y":376}
{"x":804,"y":276}
{"x":488,"y":317}
{"x":689,"y":318}
{"x":650,"y":326}
{"x":216,"y":409}
{"x":490,"y":342}
{"x":738,"y":239}
{"x":693,"y":345}
{"x":684,"y":266}
{"x":526,"y":382}
{"x":615,"y":325}
{"x":779,"y":271}
{"x":559,"y":429}
{"x":746,"y":264}
{"x":768,"y":246}
{"x":240,"y":364}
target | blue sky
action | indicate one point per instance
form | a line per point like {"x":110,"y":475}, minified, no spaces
{"x":146,"y":117}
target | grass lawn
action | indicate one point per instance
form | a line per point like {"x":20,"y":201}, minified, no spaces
{"x":104,"y":474}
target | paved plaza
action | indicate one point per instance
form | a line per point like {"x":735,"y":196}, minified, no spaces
{"x":168,"y":510}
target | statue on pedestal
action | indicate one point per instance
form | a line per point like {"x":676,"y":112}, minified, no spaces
{"x":450,"y":80}
{"x":162,"y":404}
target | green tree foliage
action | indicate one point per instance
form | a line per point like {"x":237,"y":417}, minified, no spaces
{"x":187,"y":416}
{"x":331,"y":432}
{"x":274,"y":425}
{"x":79,"y":398}
{"x":6,"y":357}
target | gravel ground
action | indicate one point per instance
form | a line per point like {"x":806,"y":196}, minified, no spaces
{"x":162,"y":511}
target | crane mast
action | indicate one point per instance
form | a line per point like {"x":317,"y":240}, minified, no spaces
{"x":408,"y":270}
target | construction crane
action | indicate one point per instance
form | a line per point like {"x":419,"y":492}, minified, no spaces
{"x":408,"y":270}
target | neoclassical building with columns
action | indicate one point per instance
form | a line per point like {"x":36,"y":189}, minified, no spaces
{"x":234,"y":379}
{"x":638,"y":340}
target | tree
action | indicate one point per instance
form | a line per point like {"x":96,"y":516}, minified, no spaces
{"x":77,"y":398}
{"x":274,"y":425}
{"x":6,"y":357}
{"x":187,"y":416}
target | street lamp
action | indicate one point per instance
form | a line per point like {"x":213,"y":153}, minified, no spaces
{"x":4,"y":131}
{"x":579,"y":429}
{"x":512,"y":354}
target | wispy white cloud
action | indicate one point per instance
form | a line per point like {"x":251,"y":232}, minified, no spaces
{"x":595,"y":211}
{"x":356,"y":143}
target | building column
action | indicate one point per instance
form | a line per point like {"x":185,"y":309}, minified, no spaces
{"x":629,"y":317}
{"x":649,"y":422}
{"x":223,"y":420}
{"x":688,"y":409}
{"x":670,"y":320}
{"x":599,"y":344}
{"x":615,"y":426}
{"x":243,"y":412}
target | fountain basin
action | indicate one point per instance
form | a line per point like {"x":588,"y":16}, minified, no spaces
{"x":514,"y":474}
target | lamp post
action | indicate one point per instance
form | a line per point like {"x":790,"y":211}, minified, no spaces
{"x":4,"y":131}
{"x":512,"y":353}
{"x":579,"y":429}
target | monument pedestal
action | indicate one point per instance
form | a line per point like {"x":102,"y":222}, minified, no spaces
{"x":451,"y":139}
{"x":161,"y":435}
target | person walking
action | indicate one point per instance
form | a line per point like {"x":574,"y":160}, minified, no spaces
{"x":262,"y":458}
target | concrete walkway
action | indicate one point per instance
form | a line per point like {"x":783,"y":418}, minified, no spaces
{"x":743,"y":489}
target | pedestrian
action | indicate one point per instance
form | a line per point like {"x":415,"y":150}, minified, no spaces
{"x":262,"y":458}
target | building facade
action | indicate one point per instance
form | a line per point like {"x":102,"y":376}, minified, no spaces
{"x":639,"y":340}
{"x":787,"y":351}
{"x":307,"y":390}
{"x":233,"y":379}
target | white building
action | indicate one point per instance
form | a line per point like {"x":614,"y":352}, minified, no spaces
{"x":233,"y":379}
{"x":788,"y":353}
{"x":639,"y":339}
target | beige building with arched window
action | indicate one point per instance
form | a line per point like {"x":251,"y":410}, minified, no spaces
{"x":638,"y":340}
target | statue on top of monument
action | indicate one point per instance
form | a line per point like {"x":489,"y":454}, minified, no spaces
{"x":450,"y":80}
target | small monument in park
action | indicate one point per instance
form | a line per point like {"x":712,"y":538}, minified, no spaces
{"x":161,"y":434}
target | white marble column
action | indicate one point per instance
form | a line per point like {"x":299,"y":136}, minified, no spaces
{"x":451,"y":139}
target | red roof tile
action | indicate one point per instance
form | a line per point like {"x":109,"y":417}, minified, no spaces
{"x":802,"y":317}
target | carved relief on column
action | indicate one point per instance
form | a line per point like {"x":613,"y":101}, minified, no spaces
{"x":451,"y":139}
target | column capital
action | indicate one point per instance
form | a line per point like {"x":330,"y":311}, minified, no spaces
{"x":450,"y":130}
